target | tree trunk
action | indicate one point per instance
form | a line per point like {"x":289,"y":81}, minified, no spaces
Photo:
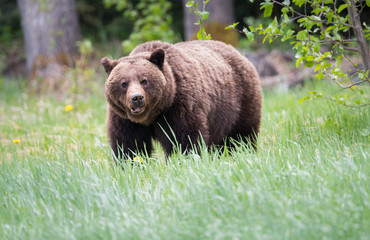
{"x":221,"y":14}
{"x":50,"y":29}
{"x":359,"y":33}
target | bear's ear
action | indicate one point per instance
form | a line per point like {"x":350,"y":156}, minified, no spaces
{"x":157,"y":57}
{"x":108,"y":64}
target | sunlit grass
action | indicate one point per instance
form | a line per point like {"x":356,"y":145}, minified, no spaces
{"x":309,"y":179}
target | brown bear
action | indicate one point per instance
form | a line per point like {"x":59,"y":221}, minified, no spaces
{"x":177,"y":93}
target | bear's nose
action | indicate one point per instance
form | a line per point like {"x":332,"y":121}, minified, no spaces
{"x":137,"y":99}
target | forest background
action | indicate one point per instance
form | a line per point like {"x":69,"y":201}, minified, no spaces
{"x":308,"y":180}
{"x":104,"y":22}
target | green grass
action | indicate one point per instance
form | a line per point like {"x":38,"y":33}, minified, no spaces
{"x":309,"y":179}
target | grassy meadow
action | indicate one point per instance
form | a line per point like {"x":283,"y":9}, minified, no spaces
{"x":309,"y":179}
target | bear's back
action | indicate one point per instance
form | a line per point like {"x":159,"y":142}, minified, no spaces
{"x":150,"y":47}
{"x":227,"y":81}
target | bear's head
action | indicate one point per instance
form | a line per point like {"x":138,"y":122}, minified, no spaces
{"x":139,"y":87}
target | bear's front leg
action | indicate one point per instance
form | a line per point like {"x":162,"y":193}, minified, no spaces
{"x":127,"y":138}
{"x":177,"y":128}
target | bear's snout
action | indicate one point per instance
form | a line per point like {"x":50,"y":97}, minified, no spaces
{"x":137,"y":100}
{"x":137,"y":103}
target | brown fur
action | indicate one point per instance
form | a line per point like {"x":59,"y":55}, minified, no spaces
{"x":192,"y":88}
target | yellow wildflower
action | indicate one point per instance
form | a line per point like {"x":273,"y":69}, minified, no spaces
{"x":137,"y":159}
{"x":68,"y":108}
{"x":16,"y":141}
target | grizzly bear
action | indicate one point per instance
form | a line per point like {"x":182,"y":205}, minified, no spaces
{"x":180,"y":93}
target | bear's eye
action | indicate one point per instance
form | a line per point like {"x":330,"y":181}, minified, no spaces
{"x":124,"y":84}
{"x":143,"y":82}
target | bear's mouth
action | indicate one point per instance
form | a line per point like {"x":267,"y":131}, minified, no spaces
{"x":137,"y":110}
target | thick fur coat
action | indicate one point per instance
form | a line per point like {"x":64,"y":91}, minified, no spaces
{"x":177,"y":93}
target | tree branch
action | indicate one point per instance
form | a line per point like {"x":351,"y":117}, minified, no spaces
{"x":346,"y":105}
{"x":349,"y":86}
{"x":350,"y":49}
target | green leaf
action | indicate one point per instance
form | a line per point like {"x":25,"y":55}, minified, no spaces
{"x":285,"y":10}
{"x":268,"y":9}
{"x":316,"y":47}
{"x":329,"y":16}
{"x":298,"y":62}
{"x":289,"y":33}
{"x":298,"y":54}
{"x":200,"y":34}
{"x":315,"y":18}
{"x":232,"y":26}
{"x":320,"y":58}
{"x":320,"y":75}
{"x":368,"y":3}
{"x":249,"y":34}
{"x":283,"y":39}
{"x":309,"y":64}
{"x":204,"y":15}
{"x":361,"y":76}
{"x":310,"y":58}
{"x":339,"y":61}
{"x":302,"y":35}
{"x":342,"y":7}
{"x":300,"y":2}
{"x":303,"y":99}
{"x":302,"y":20}
{"x":189,"y":4}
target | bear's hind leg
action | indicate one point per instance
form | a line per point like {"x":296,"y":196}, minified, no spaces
{"x":185,"y":133}
{"x":245,"y":132}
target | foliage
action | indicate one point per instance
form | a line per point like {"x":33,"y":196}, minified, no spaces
{"x":309,"y":179}
{"x":323,"y":41}
{"x":152,"y":21}
{"x":9,"y":22}
{"x":257,"y":42}
{"x":83,"y":74}
{"x":10,"y":33}
{"x":101,"y":24}
{"x":202,"y":17}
